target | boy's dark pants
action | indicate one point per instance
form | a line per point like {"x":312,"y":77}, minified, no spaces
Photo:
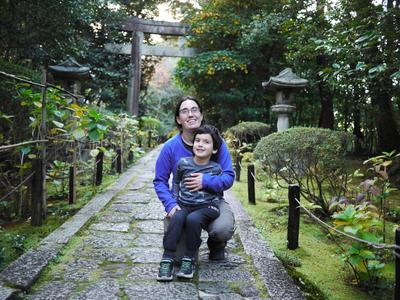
{"x":190,"y":221}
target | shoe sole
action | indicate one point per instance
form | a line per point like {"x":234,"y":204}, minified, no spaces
{"x":165,"y":278}
{"x":186,"y":276}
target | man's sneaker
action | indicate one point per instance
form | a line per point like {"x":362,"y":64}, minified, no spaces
{"x":187,"y":268}
{"x":217,"y":254}
{"x":165,"y":270}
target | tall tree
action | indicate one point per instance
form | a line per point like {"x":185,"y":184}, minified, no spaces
{"x":36,"y":32}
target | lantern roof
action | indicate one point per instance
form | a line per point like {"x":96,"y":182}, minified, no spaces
{"x":70,"y":68}
{"x":285,"y":79}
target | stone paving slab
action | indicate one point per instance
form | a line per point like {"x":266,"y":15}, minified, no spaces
{"x":117,"y":256}
{"x":159,"y":290}
{"x":105,"y":289}
{"x":118,"y":227}
{"x":151,"y":226}
{"x":149,"y":240}
{"x":270,"y":269}
{"x":54,"y":290}
{"x":114,"y":217}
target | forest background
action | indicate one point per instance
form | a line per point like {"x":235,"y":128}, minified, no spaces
{"x":347,"y":49}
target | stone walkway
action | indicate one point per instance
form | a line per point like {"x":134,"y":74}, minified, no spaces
{"x":112,"y":247}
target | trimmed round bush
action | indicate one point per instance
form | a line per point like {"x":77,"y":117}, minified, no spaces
{"x":310,"y":157}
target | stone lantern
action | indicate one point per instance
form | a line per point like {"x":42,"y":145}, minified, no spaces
{"x":70,"y":74}
{"x":285,"y":85}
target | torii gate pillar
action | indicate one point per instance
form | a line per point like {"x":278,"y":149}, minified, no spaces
{"x":135,"y":74}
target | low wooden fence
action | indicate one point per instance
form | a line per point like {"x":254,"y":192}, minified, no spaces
{"x":293,"y":225}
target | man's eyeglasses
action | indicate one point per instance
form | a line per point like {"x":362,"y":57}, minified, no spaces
{"x":185,"y":111}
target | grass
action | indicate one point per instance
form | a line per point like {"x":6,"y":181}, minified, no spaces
{"x":316,"y":264}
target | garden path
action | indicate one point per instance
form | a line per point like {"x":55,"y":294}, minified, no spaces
{"x":112,"y":247}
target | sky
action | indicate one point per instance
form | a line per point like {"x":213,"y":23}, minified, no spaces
{"x":165,"y":14}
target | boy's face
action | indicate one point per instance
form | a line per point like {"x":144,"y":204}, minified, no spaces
{"x":203,"y":146}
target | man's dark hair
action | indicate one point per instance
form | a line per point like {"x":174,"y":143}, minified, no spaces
{"x":178,"y":107}
{"x":213,"y":131}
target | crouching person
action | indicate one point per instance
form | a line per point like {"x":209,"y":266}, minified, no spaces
{"x":195,"y":209}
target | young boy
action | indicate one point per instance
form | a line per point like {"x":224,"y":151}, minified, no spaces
{"x":196,"y":208}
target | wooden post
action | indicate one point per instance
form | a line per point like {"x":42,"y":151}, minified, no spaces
{"x":43,"y":133}
{"x":294,"y":217}
{"x":397,"y":262}
{"x":250,"y":184}
{"x":99,"y":168}
{"x":149,"y":139}
{"x":119,"y":161}
{"x":72,"y":175}
{"x":72,"y":185}
{"x":237,"y":166}
{"x":130,"y":156}
{"x":37,"y":192}
{"x":134,"y":80}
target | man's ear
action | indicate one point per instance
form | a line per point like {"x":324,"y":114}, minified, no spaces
{"x":178,"y":121}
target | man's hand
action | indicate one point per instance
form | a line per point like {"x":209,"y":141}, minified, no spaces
{"x":195,"y":182}
{"x":173,"y":211}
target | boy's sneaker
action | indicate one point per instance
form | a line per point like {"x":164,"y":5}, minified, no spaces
{"x":165,"y":270}
{"x":187,"y":268}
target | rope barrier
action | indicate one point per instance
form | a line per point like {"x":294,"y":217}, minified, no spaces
{"x":18,"y":186}
{"x":40,"y":85}
{"x":7,"y":147}
{"x":374,"y":245}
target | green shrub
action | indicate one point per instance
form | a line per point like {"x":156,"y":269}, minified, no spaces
{"x":249,"y":132}
{"x":310,"y":157}
{"x":244,"y":136}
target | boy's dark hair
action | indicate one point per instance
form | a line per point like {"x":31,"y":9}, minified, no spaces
{"x":178,"y":107}
{"x":213,"y":131}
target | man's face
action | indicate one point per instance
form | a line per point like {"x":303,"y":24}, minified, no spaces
{"x":190,"y":116}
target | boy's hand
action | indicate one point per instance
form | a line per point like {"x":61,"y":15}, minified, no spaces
{"x":195,"y":182}
{"x":173,"y":211}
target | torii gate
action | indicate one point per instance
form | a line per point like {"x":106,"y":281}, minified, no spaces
{"x":139,"y":26}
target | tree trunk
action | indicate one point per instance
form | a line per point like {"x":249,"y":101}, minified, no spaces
{"x":326,"y":118}
{"x":359,"y":136}
{"x":388,"y":134}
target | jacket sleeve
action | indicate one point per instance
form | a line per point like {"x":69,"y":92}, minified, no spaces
{"x":223,"y":182}
{"x":164,"y":166}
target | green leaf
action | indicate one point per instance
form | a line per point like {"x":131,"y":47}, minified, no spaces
{"x":395,"y":75}
{"x":94,"y":152}
{"x":58,"y":124}
{"x":26,"y":149}
{"x":94,"y":135}
{"x":370,"y":237}
{"x":375,"y":265}
{"x":102,"y":127}
{"x":78,"y":133}
{"x":367,"y":254}
{"x":355,"y":260}
{"x":362,"y":39}
{"x":361,"y":66}
{"x":352,"y":229}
